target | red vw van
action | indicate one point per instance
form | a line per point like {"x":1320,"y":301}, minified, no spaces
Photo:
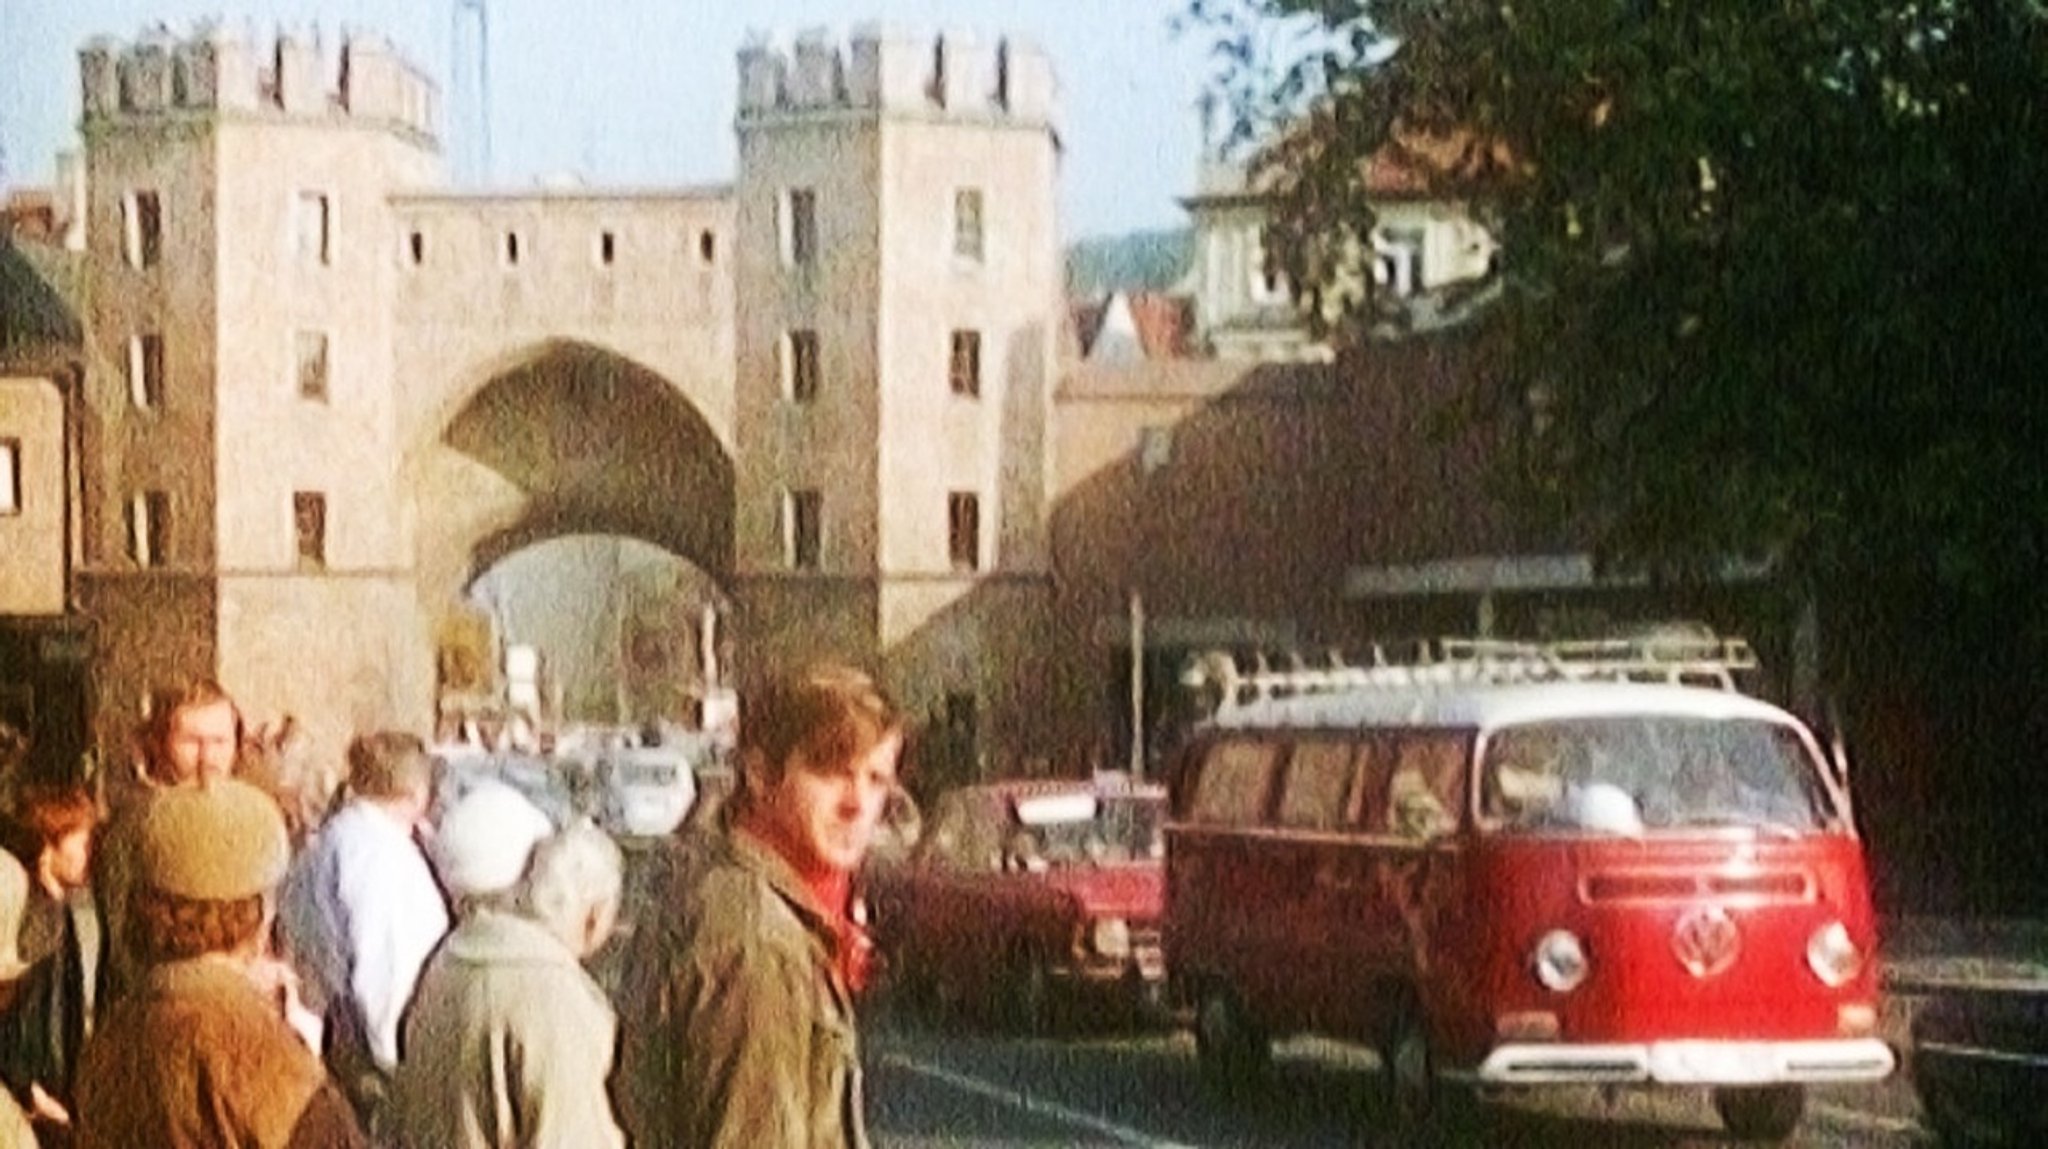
{"x":1524,"y":866}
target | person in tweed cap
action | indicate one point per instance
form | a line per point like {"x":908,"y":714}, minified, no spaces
{"x":199,"y":1054}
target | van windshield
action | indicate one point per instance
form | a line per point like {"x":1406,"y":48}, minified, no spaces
{"x":1640,"y":774}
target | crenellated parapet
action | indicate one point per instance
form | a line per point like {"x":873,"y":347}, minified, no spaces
{"x":883,"y":69}
{"x":217,"y":69}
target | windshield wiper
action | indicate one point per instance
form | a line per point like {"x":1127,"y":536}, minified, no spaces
{"x":1762,"y":824}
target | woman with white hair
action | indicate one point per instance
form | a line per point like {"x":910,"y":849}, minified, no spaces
{"x":508,"y":1041}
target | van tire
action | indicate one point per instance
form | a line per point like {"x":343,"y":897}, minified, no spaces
{"x":1416,"y":1101}
{"x":1234,"y":1054}
{"x":1760,"y":1112}
{"x":1025,"y":1000}
{"x":913,"y":989}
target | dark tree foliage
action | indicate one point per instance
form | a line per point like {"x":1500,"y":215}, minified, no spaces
{"x":1777,"y":280}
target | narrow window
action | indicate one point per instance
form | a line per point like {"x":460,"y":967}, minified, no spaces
{"x":802,"y":528}
{"x":149,"y":528}
{"x":10,"y":476}
{"x":607,"y":248}
{"x":960,"y":713}
{"x":964,"y":368}
{"x":1155,"y":447}
{"x":309,"y":523}
{"x":707,"y":246}
{"x":967,"y":233}
{"x":142,"y":228}
{"x":311,"y":360}
{"x":963,"y":530}
{"x":800,"y":227}
{"x":1397,"y":266}
{"x":314,"y":236}
{"x":800,"y":367}
{"x":146,"y":371}
{"x":416,"y":247}
{"x":509,"y":251}
{"x":1268,"y":285}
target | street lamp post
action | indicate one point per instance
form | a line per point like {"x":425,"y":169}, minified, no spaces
{"x":1137,"y":611}
{"x":1155,"y":450}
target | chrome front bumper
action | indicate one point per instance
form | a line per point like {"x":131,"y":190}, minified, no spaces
{"x":1146,"y":966}
{"x":1689,"y":1063}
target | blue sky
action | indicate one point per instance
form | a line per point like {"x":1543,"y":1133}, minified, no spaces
{"x":640,"y":92}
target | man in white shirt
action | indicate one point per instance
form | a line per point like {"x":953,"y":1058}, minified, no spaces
{"x":362,"y":911}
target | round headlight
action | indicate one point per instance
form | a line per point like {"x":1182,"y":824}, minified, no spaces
{"x":1110,"y":937}
{"x":1833,"y":955}
{"x":1560,"y":961}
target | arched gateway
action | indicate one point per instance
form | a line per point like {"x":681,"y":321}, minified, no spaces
{"x":327,"y":393}
{"x":570,"y":439}
{"x":560,"y":440}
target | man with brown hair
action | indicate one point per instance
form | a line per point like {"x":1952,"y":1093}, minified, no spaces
{"x":197,"y":1055}
{"x":737,"y":1009}
{"x":192,"y":731}
{"x":362,"y":912}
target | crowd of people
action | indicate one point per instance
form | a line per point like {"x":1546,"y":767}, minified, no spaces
{"x":184,"y":964}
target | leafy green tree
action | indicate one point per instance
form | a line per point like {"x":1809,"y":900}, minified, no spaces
{"x":1776,"y":277}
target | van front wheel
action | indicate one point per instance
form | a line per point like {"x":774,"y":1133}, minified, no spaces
{"x":1761,"y":1113}
{"x":1232,"y":1051}
{"x":1026,"y":1002}
{"x":1423,"y":1108}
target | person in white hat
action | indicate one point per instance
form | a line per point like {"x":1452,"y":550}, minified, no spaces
{"x":508,"y":1042}
{"x":197,"y":1055}
{"x":484,"y":841}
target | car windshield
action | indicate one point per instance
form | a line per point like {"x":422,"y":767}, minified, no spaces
{"x":1109,"y":831}
{"x":1642,"y":774}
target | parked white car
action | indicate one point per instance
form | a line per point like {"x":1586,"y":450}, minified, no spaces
{"x":647,"y":789}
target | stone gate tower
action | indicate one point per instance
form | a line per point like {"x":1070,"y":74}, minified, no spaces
{"x":242,"y":513}
{"x":897,"y":295}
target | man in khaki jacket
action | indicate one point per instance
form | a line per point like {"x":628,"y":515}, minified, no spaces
{"x":738,"y":1017}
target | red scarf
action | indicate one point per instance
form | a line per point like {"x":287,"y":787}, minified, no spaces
{"x":831,"y":890}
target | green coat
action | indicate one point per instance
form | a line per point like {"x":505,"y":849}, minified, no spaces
{"x":737,"y":1028}
{"x":507,"y":1043}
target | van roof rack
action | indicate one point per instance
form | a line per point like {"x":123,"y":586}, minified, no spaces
{"x":1689,"y":658}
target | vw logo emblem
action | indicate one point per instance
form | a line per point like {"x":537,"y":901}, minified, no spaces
{"x":1706,"y":941}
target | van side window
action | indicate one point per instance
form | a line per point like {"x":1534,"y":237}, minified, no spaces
{"x":1317,"y":792}
{"x":1232,"y":784}
{"x":1426,"y":787}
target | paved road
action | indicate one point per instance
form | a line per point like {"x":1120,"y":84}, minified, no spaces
{"x":930,"y":1089}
